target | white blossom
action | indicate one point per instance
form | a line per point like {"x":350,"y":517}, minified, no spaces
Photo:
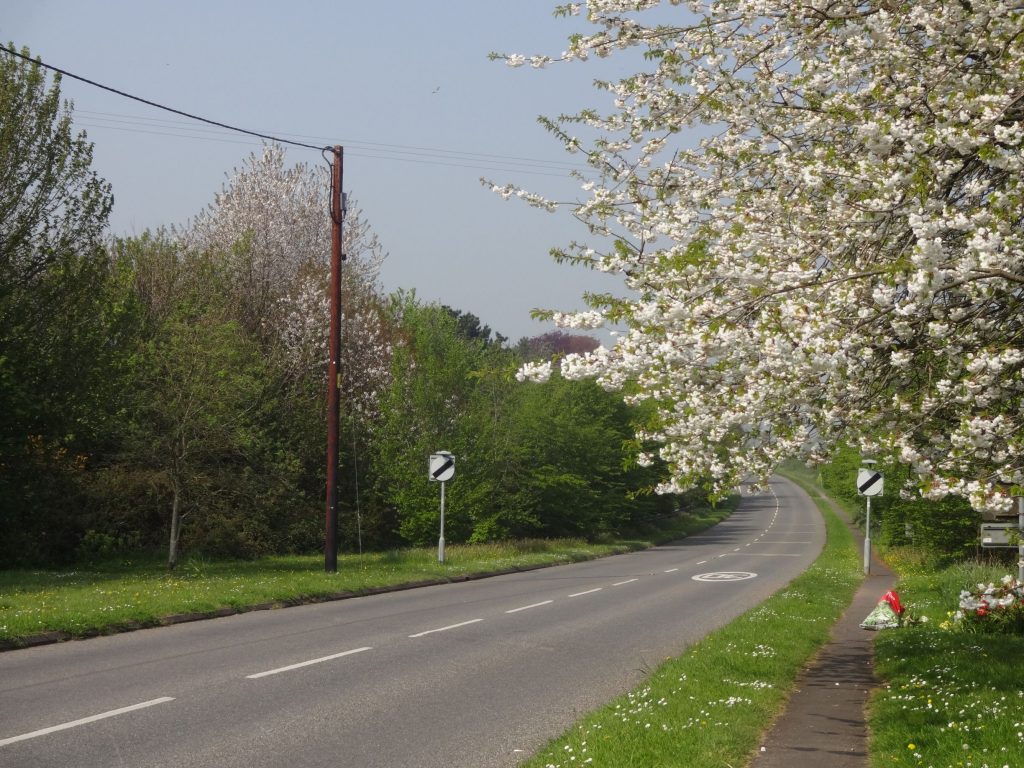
{"x":536,"y":372}
{"x":272,"y":226}
{"x":816,"y":209}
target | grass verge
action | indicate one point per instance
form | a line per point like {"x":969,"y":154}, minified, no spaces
{"x":122,"y":595}
{"x":952,"y":698}
{"x":710,"y":707}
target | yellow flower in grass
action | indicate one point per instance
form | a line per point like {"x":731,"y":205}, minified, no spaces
{"x":911,"y":746}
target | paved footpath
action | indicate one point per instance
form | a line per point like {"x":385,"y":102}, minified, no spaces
{"x":824,"y":721}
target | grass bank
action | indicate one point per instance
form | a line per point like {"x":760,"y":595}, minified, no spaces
{"x":951,"y":698}
{"x":709,"y":707}
{"x":127,"y":594}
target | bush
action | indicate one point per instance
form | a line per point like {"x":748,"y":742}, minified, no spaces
{"x":995,"y":608}
{"x":946,"y":529}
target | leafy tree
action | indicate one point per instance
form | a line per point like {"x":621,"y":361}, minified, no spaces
{"x":200,"y":389}
{"x":547,"y":460}
{"x":469,"y":326}
{"x":270,"y":232}
{"x":834,"y":252}
{"x":222,"y":438}
{"x":575,"y":444}
{"x":53,"y":205}
{"x":66,"y":317}
{"x":431,"y":386}
{"x":943,"y":527}
{"x":556,"y":342}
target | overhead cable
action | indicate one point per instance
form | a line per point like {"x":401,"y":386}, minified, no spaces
{"x":140,"y":124}
{"x":65,"y":73}
{"x":351,"y":150}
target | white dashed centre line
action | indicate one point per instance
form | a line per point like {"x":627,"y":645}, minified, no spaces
{"x":301,"y":664}
{"x":673,"y":570}
{"x":85,"y":720}
{"x":588,"y":592}
{"x":528,"y":607}
{"x":778,"y":554}
{"x":445,"y":629}
{"x":627,"y":581}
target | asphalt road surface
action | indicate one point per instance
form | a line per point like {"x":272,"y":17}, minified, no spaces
{"x":474,"y":674}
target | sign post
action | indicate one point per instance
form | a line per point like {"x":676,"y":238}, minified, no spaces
{"x":440,"y":539}
{"x":1004,"y":534}
{"x":869,"y":483}
{"x":441,"y":468}
{"x":1020,"y":539}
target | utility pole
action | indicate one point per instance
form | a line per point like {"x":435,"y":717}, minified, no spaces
{"x":333,"y":374}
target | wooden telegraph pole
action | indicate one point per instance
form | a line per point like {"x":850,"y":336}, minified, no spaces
{"x":333,"y":374}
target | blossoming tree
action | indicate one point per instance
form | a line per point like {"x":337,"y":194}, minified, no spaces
{"x":270,"y":222}
{"x":817,"y":210}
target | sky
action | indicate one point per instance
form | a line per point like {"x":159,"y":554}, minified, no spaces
{"x":406,"y":87}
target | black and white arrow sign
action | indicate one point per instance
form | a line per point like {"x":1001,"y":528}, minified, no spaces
{"x":870,"y":482}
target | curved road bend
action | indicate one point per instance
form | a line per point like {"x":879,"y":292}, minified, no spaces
{"x":476,"y":674}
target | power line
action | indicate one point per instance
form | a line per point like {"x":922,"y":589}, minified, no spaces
{"x":396,"y":152}
{"x":149,"y":125}
{"x":369,"y":152}
{"x":225,"y":126}
{"x":351,"y":151}
{"x":423,"y":155}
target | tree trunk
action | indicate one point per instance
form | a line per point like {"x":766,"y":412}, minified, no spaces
{"x":172,"y":554}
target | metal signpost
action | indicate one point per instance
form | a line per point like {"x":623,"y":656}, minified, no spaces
{"x":441,"y":468}
{"x":869,"y":483}
{"x":996,"y":535}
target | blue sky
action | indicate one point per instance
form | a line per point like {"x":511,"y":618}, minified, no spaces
{"x":392,"y":82}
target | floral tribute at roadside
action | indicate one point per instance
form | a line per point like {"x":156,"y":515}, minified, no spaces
{"x":992,"y":608}
{"x":886,"y":615}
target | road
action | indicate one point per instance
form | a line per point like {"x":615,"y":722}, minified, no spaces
{"x":477,"y":674}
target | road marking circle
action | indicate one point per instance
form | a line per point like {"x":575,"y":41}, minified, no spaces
{"x":717,"y":576}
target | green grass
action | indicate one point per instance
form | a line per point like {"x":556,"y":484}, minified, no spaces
{"x":951,"y":698}
{"x":123,"y":594}
{"x":711,"y":706}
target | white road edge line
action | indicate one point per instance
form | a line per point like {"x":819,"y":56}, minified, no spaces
{"x":588,"y":592}
{"x":85,"y":720}
{"x":445,"y":629}
{"x":527,"y":607}
{"x":301,"y":664}
{"x":627,"y":581}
